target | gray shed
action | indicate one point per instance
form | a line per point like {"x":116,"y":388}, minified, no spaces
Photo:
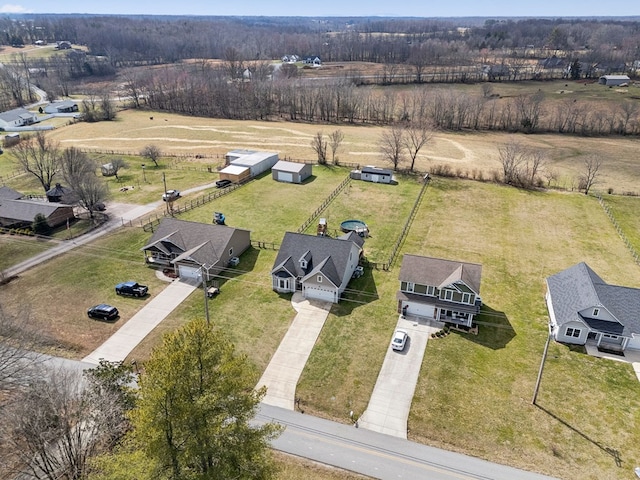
{"x":256,"y":162}
{"x":614,"y":80}
{"x":376,"y":174}
{"x":291,"y":172}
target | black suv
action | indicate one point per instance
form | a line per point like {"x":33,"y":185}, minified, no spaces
{"x":103,"y":312}
{"x":223,"y":183}
{"x":131,"y":288}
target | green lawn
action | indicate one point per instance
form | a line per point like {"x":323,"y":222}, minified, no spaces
{"x":625,"y":212}
{"x":474,"y":393}
{"x":17,"y":248}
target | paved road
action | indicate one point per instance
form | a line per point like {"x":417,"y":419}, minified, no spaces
{"x":378,"y":455}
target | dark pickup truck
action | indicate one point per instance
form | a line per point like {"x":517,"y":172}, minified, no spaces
{"x":131,"y":288}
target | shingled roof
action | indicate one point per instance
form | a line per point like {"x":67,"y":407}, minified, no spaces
{"x":323,"y":254}
{"x":201,"y":242}
{"x":578,"y":288}
{"x":439,"y":272}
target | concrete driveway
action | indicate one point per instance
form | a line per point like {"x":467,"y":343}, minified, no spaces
{"x":390,"y":402}
{"x":121,"y":343}
{"x":282,"y":374}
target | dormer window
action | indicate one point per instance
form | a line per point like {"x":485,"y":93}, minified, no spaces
{"x":303,"y":263}
{"x":596,"y":311}
{"x":319,"y":279}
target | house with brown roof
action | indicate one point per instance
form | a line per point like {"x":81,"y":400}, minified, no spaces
{"x":584,"y":309}
{"x":320,"y":266}
{"x":17,"y":211}
{"x":445,"y":290}
{"x":191,"y":248}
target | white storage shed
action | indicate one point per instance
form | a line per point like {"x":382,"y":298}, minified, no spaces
{"x":291,"y":172}
{"x":257,"y":162}
{"x":376,"y":175}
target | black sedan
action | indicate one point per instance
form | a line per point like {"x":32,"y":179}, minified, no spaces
{"x":103,"y":312}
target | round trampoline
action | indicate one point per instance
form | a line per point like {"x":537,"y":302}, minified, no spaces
{"x":357,"y":226}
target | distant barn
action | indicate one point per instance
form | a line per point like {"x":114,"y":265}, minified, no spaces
{"x":614,"y":80}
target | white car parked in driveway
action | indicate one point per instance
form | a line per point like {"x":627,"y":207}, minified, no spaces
{"x":399,"y":339}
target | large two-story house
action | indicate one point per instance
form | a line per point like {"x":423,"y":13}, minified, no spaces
{"x":445,"y":290}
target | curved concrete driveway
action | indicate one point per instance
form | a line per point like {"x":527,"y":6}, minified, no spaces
{"x":390,"y":402}
{"x":282,"y":374}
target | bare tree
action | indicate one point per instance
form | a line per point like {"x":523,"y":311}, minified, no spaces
{"x":17,"y":362}
{"x":117,"y":164}
{"x":392,"y":144}
{"x":40,"y":157}
{"x":57,"y":423}
{"x":512,"y":157}
{"x":335,"y":140}
{"x":417,"y":135}
{"x":590,"y":174}
{"x":107,"y":106}
{"x":152,"y":152}
{"x":319,"y":145}
{"x":79,"y":171}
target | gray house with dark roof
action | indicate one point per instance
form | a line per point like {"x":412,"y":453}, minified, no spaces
{"x":191,"y":248}
{"x":445,"y":290}
{"x":583,"y":308}
{"x":319,"y":266}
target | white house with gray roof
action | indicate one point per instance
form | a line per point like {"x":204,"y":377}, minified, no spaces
{"x":18,"y":117}
{"x":191,"y":248}
{"x":445,"y":290}
{"x":319,"y":266}
{"x":583,"y":308}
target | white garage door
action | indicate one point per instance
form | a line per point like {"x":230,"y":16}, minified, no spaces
{"x":189,"y":274}
{"x":285,"y":177}
{"x":318,"y":294}
{"x":421,"y":310}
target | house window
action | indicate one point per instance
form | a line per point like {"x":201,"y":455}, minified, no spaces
{"x":283,"y":283}
{"x":231,"y":252}
{"x":573,"y":332}
{"x":466,"y":298}
{"x":303,"y":263}
{"x":448,"y":294}
{"x":319,"y":279}
{"x":408,"y":286}
{"x":431,"y":291}
{"x":421,"y":289}
{"x":612,"y":337}
{"x":596,"y":311}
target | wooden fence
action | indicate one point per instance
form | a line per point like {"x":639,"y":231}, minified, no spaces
{"x":624,"y":238}
{"x":324,"y":204}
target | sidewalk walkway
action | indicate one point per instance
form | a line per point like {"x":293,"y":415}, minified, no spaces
{"x":121,"y":343}
{"x":282,"y":374}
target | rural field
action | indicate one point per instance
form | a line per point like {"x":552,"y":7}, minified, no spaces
{"x":474,"y":393}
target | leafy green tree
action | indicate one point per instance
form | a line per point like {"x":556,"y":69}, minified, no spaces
{"x":195,"y":403}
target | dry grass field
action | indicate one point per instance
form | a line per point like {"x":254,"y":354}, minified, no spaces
{"x":463,"y":152}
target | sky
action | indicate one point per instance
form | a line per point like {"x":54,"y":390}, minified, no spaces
{"x":322,"y":8}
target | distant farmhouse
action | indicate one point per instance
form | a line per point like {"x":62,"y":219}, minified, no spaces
{"x":18,"y":117}
{"x":64,"y":106}
{"x":16,"y":211}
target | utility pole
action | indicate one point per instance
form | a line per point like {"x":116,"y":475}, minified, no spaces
{"x":206,"y":296}
{"x":544,"y":357}
{"x":166,"y":200}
